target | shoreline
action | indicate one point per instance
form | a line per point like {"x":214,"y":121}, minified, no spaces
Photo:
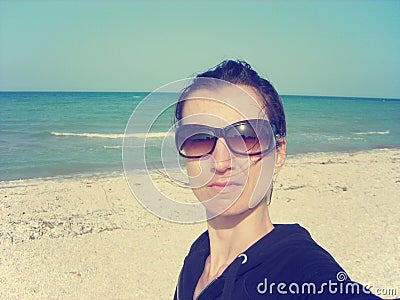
{"x":87,"y":237}
{"x":116,"y":173}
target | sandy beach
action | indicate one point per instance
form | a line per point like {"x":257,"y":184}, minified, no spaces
{"x":88,"y":238}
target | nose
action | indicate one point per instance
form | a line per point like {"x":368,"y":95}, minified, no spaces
{"x":222,"y":156}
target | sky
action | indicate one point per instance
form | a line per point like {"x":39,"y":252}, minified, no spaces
{"x":328,"y":48}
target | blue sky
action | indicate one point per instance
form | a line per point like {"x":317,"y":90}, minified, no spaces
{"x":336,"y":48}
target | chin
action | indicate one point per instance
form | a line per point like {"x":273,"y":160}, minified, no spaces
{"x":221,"y":204}
{"x":239,"y":208}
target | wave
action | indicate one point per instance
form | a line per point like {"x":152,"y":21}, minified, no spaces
{"x":92,"y":135}
{"x":112,"y":147}
{"x":115,"y":135}
{"x":345,"y":138}
{"x":150,"y":135}
{"x":372,"y":132}
{"x":120,"y":147}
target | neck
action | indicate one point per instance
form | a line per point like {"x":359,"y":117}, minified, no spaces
{"x":232,"y":235}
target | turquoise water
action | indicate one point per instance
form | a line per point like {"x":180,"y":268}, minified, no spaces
{"x":46,"y":134}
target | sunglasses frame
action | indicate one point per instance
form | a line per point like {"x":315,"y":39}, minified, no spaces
{"x":221,"y":132}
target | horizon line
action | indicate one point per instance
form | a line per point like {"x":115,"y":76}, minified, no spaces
{"x":289,"y":95}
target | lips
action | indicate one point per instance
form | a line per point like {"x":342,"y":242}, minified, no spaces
{"x":224,"y":186}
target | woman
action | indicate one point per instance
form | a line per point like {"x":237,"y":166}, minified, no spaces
{"x":231,"y":130}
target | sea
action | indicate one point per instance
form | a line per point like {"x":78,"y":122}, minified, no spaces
{"x":48,"y":134}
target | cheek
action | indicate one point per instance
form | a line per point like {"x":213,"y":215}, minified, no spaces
{"x":198,"y":173}
{"x":192,"y":167}
{"x":260,"y":180}
{"x":196,"y":181}
{"x":253,"y":176}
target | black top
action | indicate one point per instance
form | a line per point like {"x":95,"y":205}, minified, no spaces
{"x":284,"y":264}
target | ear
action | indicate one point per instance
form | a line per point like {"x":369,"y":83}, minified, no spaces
{"x":280,"y":155}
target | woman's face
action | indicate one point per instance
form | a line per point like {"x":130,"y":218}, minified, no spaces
{"x":227,"y":183}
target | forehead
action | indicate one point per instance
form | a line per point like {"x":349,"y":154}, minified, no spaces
{"x":219,"y":107}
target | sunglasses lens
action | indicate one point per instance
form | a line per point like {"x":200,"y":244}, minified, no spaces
{"x":192,"y":144}
{"x":250,"y":138}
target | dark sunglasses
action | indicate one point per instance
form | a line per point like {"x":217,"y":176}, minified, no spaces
{"x":249,"y":137}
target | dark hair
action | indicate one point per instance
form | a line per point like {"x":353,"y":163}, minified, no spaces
{"x":240,"y":73}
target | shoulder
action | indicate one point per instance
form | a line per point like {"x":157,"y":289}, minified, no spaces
{"x":292,"y":249}
{"x":292,"y":241}
{"x":291,"y":263}
{"x":192,"y":267}
{"x":202,"y":243}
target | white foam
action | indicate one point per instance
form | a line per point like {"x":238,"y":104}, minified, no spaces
{"x":112,"y":147}
{"x":114,"y":135}
{"x":372,"y":132}
{"x":150,"y":135}
{"x":120,"y":147}
{"x":343,"y":138}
